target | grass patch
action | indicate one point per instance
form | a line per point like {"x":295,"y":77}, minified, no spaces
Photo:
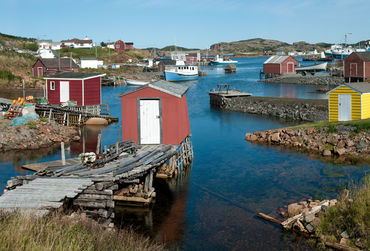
{"x":63,"y":233}
{"x":352,"y":216}
{"x":361,"y":125}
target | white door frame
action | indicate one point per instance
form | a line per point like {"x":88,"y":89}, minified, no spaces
{"x":140,"y":120}
{"x":344,"y":107}
{"x":64,"y":88}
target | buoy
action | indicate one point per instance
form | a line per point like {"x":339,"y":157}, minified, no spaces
{"x":96,"y":121}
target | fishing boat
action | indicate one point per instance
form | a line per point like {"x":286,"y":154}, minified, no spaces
{"x":221,"y":61}
{"x":136,"y":82}
{"x":181,"y":72}
{"x":312,"y":68}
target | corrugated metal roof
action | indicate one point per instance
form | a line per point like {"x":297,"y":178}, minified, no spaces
{"x":276,"y":59}
{"x":176,"y":90}
{"x":75,"y":75}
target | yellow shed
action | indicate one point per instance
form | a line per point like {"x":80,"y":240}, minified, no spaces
{"x":349,"y":102}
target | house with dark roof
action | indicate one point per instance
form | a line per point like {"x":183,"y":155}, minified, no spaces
{"x":277,"y":65}
{"x":84,"y":88}
{"x":50,"y":66}
{"x":357,"y":67}
{"x":155,"y":113}
{"x":349,"y":101}
{"x":77,"y":43}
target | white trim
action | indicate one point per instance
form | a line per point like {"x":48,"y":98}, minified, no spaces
{"x":101,"y":75}
{"x":83,"y":92}
{"x":52,"y":89}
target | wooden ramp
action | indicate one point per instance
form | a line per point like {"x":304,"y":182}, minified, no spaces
{"x":41,"y":195}
{"x":36,"y":167}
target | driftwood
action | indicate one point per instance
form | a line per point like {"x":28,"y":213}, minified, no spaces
{"x":340,"y":246}
{"x":268,"y":218}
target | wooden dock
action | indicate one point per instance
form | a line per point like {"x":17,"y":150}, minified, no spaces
{"x":36,"y":167}
{"x":123,"y":173}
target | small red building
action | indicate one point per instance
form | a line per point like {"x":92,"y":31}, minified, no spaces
{"x":156,"y":113}
{"x":119,"y":45}
{"x":277,"y":65}
{"x":84,"y":88}
{"x":51,"y":66}
{"x":357,"y":67}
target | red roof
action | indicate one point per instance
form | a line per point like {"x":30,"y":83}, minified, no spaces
{"x":77,"y":41}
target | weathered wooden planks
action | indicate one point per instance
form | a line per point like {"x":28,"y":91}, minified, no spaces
{"x":36,"y":167}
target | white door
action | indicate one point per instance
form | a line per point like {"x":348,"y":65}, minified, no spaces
{"x":64,"y":91}
{"x":150,"y":126}
{"x":344,"y":107}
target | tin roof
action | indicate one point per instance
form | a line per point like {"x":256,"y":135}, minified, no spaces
{"x":276,"y":59}
{"x":75,"y":75}
{"x":360,"y":87}
{"x":176,"y":90}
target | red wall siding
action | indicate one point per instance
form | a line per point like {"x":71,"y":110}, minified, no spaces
{"x":35,"y":71}
{"x":75,"y":91}
{"x":367,"y":69}
{"x":271,"y":68}
{"x":175,"y":119}
{"x":353,"y":59}
{"x":284,"y":65}
{"x":121,"y":45}
{"x":92,"y":91}
{"x":129,"y":46}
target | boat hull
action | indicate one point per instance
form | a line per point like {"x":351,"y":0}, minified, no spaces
{"x":222,"y":63}
{"x":171,"y":76}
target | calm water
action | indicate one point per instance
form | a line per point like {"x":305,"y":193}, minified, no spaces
{"x":215,"y":203}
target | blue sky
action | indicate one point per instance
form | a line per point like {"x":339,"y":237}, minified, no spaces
{"x":188,"y":23}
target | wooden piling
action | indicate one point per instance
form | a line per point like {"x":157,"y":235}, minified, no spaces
{"x":63,"y":153}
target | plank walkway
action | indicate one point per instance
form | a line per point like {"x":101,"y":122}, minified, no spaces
{"x":36,"y":167}
{"x":42,"y":194}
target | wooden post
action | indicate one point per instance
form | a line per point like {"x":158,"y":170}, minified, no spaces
{"x":50,"y":112}
{"x":67,"y":119}
{"x":119,"y":133}
{"x":64,"y":118}
{"x":79,"y":119}
{"x":63,"y":153}
{"x":146,"y":183}
{"x":117,"y":149}
{"x":151,"y":179}
{"x":98,"y":145}
{"x":105,"y":149}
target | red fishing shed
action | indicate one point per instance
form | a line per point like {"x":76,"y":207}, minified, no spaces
{"x":277,"y":65}
{"x":357,"y":67}
{"x":51,"y":66}
{"x":156,"y":113}
{"x":84,"y":88}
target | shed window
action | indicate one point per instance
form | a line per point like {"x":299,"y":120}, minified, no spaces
{"x":52,"y":85}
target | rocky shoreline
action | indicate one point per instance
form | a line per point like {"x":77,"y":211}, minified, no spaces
{"x":322,"y":81}
{"x":284,"y":108}
{"x":34,"y":136}
{"x":342,"y":142}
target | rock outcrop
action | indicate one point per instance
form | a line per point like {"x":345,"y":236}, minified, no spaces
{"x":34,"y":136}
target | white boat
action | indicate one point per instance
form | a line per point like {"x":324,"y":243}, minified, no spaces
{"x":221,"y":61}
{"x":181,"y":72}
{"x":136,"y":82}
{"x":312,"y":68}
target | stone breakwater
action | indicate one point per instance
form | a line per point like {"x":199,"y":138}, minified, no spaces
{"x":284,"y":108}
{"x":34,"y":136}
{"x":346,"y":143}
{"x":306,"y":80}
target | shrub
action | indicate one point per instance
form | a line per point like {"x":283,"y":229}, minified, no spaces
{"x":31,"y":124}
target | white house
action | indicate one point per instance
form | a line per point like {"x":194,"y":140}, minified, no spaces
{"x":92,"y":63}
{"x":47,"y":53}
{"x":56,"y":45}
{"x":44,"y":44}
{"x":78,"y":43}
{"x":110,"y":46}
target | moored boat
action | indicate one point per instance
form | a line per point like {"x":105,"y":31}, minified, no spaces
{"x":136,"y":82}
{"x":221,"y":61}
{"x":312,"y":68}
{"x":181,"y":72}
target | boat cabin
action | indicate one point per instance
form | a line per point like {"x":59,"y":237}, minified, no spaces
{"x":156,"y":113}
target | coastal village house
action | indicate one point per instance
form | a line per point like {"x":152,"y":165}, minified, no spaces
{"x":51,"y":66}
{"x":349,"y":102}
{"x":119,"y":45}
{"x":156,"y":113}
{"x":77,"y":43}
{"x":277,"y":65}
{"x":91,"y":63}
{"x":84,"y":88}
{"x":357,"y":67}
